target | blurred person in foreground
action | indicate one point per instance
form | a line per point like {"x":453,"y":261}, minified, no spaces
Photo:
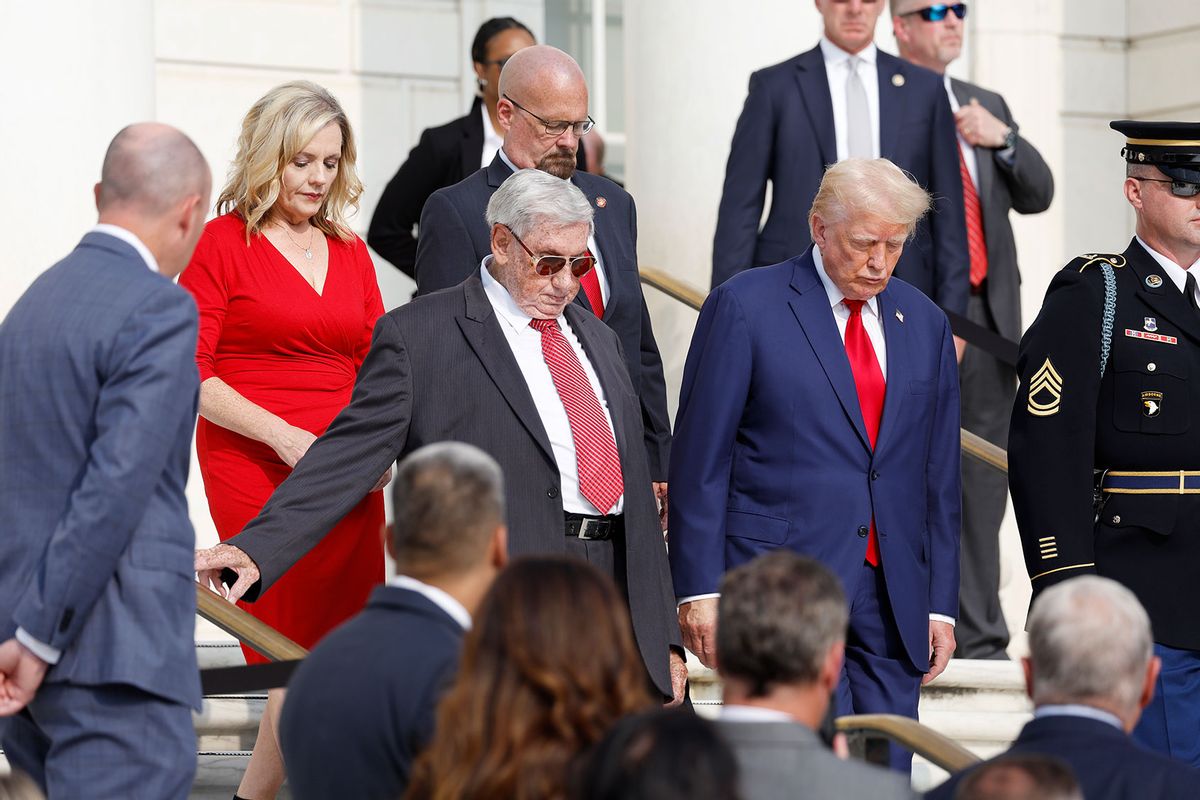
{"x":1090,"y":672}
{"x":361,"y":706}
{"x":506,"y":362}
{"x":287,"y":298}
{"x":781,"y":639}
{"x":548,"y":667}
{"x":819,"y":414}
{"x":1021,"y":778}
{"x":98,"y":386}
{"x":664,"y":754}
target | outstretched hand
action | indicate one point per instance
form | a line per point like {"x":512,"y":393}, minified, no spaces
{"x":21,"y":674}
{"x":210,"y":563}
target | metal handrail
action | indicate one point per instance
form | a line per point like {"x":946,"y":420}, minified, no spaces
{"x":973,"y":445}
{"x":912,"y":735}
{"x":245,"y":628}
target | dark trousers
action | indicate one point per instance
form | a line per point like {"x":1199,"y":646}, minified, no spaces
{"x":1171,"y":723}
{"x":103,"y":741}
{"x":988,"y":387}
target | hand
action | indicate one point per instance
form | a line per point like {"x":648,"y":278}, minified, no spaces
{"x":960,"y":347}
{"x":210,"y":562}
{"x":841,"y":746}
{"x":21,"y":674}
{"x":679,"y":676}
{"x":383,"y":481}
{"x":979,"y":127}
{"x":660,"y":494}
{"x":941,"y":647}
{"x":698,"y":622}
{"x":291,"y":443}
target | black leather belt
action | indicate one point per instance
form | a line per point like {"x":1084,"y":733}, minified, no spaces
{"x":579,"y":526}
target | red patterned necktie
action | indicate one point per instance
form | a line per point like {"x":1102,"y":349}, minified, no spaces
{"x":976,"y":244}
{"x":868,"y":380}
{"x":596,"y":455}
{"x":590,"y":282}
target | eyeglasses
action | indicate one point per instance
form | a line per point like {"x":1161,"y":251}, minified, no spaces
{"x":1178,"y":188}
{"x":551,"y":265}
{"x":499,"y":62}
{"x":937,"y":13}
{"x":557,"y":127}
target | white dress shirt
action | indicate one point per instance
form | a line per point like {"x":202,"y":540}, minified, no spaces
{"x":526,"y":344}
{"x":735,"y":713}
{"x":837,"y":72}
{"x":492,"y":141}
{"x":592,"y":247}
{"x":967,"y":150}
{"x":1175,"y":272}
{"x":456,"y":610}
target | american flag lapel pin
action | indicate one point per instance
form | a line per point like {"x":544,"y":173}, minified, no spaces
{"x":899,"y":315}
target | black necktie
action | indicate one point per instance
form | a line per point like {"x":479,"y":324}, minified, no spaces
{"x":1189,"y":289}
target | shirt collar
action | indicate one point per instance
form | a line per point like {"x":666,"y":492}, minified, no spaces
{"x":504,"y":157}
{"x":832,"y":291}
{"x":502,"y":302}
{"x":1177,"y":274}
{"x":440,"y":598}
{"x":736,"y":713}
{"x":1077,"y":710}
{"x":836,"y":55}
{"x":127,"y":236}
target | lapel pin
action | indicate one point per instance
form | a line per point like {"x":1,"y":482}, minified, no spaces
{"x":1150,"y":324}
{"x":1153,"y":281}
{"x":601,"y":202}
{"x":897,"y":80}
{"x":899,"y":316}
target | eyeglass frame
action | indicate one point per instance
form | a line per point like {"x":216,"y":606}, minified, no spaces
{"x":566,"y":259}
{"x":574,"y":127}
{"x":1195,"y":187}
{"x":944,"y":9}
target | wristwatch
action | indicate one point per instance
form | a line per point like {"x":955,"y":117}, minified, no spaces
{"x":1010,"y":140}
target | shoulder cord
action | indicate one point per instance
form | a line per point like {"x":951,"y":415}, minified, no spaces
{"x":1110,"y":313}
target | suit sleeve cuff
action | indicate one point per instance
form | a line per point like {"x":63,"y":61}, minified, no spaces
{"x":42,"y":650}
{"x":694,"y":597}
{"x":942,"y":618}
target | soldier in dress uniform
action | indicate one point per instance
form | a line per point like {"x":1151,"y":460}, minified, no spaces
{"x":1104,"y":453}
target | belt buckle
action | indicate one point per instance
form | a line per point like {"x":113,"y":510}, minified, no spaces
{"x":585,"y":527}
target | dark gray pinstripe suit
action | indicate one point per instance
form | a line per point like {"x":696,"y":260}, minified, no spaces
{"x":440,"y":369}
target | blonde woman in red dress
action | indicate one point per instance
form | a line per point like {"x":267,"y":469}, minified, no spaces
{"x":288,"y":299}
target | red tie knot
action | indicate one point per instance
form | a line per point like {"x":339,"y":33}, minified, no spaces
{"x":855,"y":306}
{"x":542,"y":325}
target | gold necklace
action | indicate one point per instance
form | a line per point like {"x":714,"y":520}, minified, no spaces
{"x":312,"y":229}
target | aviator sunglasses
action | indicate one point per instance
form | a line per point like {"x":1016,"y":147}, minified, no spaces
{"x":1178,"y":188}
{"x":550,"y":265}
{"x":937,"y":13}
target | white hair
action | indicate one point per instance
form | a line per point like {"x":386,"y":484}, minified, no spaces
{"x":531,"y":197}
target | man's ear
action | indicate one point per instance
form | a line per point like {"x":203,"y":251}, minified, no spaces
{"x":1133,"y":192}
{"x":1152,"y":671}
{"x":498,"y":555}
{"x":389,"y":540}
{"x":504,"y":113}
{"x":831,"y":667}
{"x":188,"y":215}
{"x":900,"y":28}
{"x":1027,"y":669}
{"x":818,"y":231}
{"x":96,"y":195}
{"x":501,"y":240}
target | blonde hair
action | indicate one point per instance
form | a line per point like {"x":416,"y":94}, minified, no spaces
{"x":275,"y":129}
{"x":874,"y":187}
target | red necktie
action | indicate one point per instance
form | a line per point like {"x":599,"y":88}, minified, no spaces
{"x":976,"y":244}
{"x":596,"y":455}
{"x":591,"y":287}
{"x":868,"y":380}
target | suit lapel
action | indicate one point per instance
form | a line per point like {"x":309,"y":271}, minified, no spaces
{"x":1165,"y":298}
{"x":814,"y":91}
{"x":608,"y":369}
{"x":497,"y":173}
{"x":892,"y":75}
{"x":810,"y":304}
{"x":896,"y":340}
{"x":472,"y":141}
{"x":482,"y":331}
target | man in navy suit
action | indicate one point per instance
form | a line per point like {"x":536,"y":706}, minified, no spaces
{"x":1091,"y":670}
{"x":361,"y":707}
{"x":819,"y":412}
{"x":842,"y":99}
{"x":543,"y":111}
{"x":98,"y":391}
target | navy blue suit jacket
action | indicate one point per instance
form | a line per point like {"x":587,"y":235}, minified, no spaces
{"x":98,"y":389}
{"x":771,"y":451}
{"x":1106,"y":762}
{"x":785,"y":135}
{"x":362,"y":705}
{"x":455,"y":237}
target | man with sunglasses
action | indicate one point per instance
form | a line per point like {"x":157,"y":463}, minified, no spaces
{"x":1001,"y":171}
{"x":543,"y":112}
{"x":505,"y":361}
{"x":1104,"y":450}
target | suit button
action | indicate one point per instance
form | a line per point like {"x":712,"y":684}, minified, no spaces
{"x":1151,"y":366}
{"x":863,"y":531}
{"x":552,"y":492}
{"x":1116,"y":520}
{"x":874,"y":475}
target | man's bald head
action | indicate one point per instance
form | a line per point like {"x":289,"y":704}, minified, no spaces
{"x":149,"y":168}
{"x":541,"y":69}
{"x":540,"y":85}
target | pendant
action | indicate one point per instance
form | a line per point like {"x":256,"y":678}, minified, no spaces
{"x":308,"y":254}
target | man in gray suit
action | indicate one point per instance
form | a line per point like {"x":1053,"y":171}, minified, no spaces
{"x":1001,"y":171}
{"x":98,"y":391}
{"x":506,"y":362}
{"x":781,"y":636}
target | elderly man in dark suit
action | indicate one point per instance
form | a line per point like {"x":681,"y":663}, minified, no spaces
{"x":543,"y":111}
{"x":842,"y":99}
{"x":506,"y":362}
{"x":1001,"y":172}
{"x":98,"y":391}
{"x":1091,"y":670}
{"x":361,"y":706}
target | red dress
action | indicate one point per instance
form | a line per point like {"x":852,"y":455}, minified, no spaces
{"x":266,"y":332}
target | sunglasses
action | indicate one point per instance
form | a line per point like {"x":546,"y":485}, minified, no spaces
{"x":1178,"y":188}
{"x":937,"y":13}
{"x":550,"y":265}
